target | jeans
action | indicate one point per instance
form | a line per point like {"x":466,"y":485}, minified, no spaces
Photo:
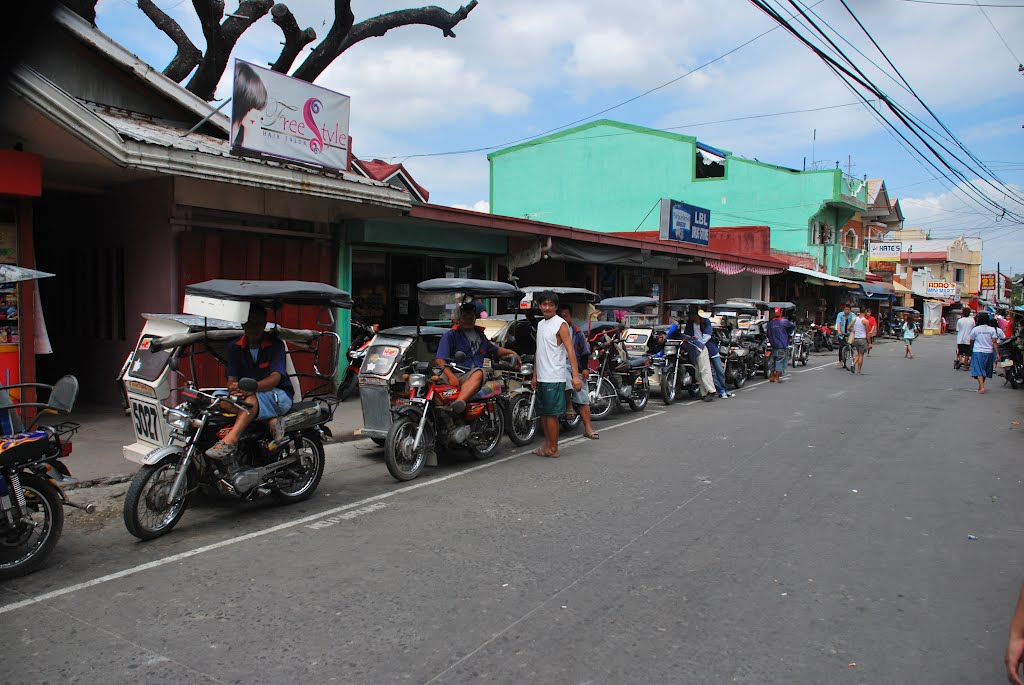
{"x":778,"y":361}
{"x":718,"y":371}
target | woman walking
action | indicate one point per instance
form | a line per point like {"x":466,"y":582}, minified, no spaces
{"x":986,"y":349}
{"x":909,"y":333}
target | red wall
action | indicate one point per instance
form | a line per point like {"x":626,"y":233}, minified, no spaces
{"x":741,"y":240}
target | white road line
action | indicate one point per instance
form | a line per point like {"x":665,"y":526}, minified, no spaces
{"x":282,"y":526}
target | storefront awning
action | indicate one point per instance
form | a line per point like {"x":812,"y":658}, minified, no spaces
{"x":733,"y":268}
{"x":823,"y":278}
{"x":898,"y":287}
{"x":875,"y":291}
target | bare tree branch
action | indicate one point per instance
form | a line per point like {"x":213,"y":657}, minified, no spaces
{"x":188,"y":55}
{"x":341,"y":38}
{"x":221,"y":38}
{"x":294,"y":38}
{"x":86,"y":9}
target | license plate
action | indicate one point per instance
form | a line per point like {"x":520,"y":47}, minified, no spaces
{"x":147,"y":420}
{"x":1006,"y":363}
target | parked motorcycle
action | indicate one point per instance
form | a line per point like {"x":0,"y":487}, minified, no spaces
{"x":800,"y":348}
{"x":362,"y":334}
{"x":425,"y":424}
{"x":32,"y":478}
{"x":617,"y":379}
{"x":1012,"y":362}
{"x":821,"y":337}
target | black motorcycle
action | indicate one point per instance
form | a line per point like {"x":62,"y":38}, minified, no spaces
{"x":32,"y":478}
{"x":676,"y":372}
{"x":288,"y":472}
{"x":618,"y":378}
{"x":1010,"y":351}
{"x":362,"y":334}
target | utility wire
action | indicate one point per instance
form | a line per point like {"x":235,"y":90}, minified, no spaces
{"x":959,"y":4}
{"x":1015,"y":59}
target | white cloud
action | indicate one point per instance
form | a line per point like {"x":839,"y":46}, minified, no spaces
{"x":478,"y":206}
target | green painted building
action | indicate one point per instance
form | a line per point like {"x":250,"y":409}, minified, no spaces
{"x":609,"y":176}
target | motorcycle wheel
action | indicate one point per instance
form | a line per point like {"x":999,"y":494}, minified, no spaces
{"x":817,"y":345}
{"x":739,"y":379}
{"x":147,"y":513}
{"x":492,"y":438}
{"x":668,"y":387}
{"x":521,"y":428}
{"x":349,"y":387}
{"x":402,"y":461}
{"x":308,"y":472}
{"x":569,"y":425}
{"x":602,"y":399}
{"x":24,"y":547}
{"x":828,"y":343}
{"x":638,"y":399}
{"x":379,"y":442}
{"x":1011,"y":375}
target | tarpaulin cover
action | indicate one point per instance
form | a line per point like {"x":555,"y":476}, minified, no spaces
{"x":469,"y":286}
{"x":272,"y":293}
{"x":592,"y":253}
{"x":10,"y":273}
{"x":626,"y":303}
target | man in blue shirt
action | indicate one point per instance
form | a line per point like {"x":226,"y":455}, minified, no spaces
{"x":843,"y":322}
{"x":261,"y":356}
{"x":779,"y":330}
{"x":468,"y":338}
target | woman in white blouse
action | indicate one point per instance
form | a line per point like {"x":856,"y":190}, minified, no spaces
{"x":986,"y":349}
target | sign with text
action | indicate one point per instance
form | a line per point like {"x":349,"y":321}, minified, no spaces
{"x":988,"y":282}
{"x":280,"y":116}
{"x":940,"y":289}
{"x":880,"y":267}
{"x":886,"y":252}
{"x":684,"y":223}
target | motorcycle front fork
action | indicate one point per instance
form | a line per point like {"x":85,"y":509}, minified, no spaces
{"x":10,"y":486}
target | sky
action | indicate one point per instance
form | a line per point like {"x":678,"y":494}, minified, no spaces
{"x":521,"y":68}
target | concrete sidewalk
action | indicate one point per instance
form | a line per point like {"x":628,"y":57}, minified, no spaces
{"x":97,"y":455}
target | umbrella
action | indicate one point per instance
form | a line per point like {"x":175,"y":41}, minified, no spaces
{"x":9,"y":273}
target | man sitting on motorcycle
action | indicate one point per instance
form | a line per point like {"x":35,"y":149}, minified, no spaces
{"x":261,"y":356}
{"x":468,"y":338}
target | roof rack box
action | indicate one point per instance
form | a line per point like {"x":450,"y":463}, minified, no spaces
{"x":213,"y":308}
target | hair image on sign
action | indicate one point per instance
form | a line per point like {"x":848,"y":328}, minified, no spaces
{"x":279,"y":116}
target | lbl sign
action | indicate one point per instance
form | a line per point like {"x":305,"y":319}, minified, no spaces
{"x":685,"y":223}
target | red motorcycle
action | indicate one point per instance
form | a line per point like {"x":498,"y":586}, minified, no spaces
{"x":822,"y":336}
{"x":425,"y":423}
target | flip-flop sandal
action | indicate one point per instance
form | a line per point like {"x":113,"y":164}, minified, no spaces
{"x":540,"y":452}
{"x":592,"y":436}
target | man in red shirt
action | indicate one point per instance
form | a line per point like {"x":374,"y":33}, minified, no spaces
{"x":872,"y":328}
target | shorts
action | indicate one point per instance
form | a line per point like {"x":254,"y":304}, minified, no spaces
{"x":779,"y":359}
{"x":581,"y":397}
{"x":465,"y":376}
{"x":908,"y":341}
{"x":965,"y":350}
{"x":273,"y":403}
{"x":860,"y":345}
{"x":550,"y":399}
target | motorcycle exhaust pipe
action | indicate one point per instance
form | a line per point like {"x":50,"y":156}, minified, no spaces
{"x":88,"y":507}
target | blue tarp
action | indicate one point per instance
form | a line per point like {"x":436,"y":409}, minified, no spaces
{"x":875,"y":291}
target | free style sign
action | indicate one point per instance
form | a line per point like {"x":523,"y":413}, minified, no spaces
{"x":279,"y":116}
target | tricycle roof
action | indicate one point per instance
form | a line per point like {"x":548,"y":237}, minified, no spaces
{"x":627,"y":303}
{"x":760,"y":304}
{"x":781,"y":305}
{"x":412,"y":331}
{"x":688,"y":302}
{"x":469,"y":286}
{"x":733,"y":309}
{"x":272,"y":294}
{"x":565,"y":293}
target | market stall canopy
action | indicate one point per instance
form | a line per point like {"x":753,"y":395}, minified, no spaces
{"x":272,"y":294}
{"x":905,"y":310}
{"x":9,"y":273}
{"x":875,"y":291}
{"x":565,"y":294}
{"x":627,"y":303}
{"x":822,"y":278}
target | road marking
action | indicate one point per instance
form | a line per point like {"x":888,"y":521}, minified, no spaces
{"x":282,"y":526}
{"x":347,"y":516}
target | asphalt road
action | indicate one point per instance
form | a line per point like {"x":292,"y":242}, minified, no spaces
{"x":809,"y":532}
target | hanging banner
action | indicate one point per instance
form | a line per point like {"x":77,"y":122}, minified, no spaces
{"x":279,"y":116}
{"x":684,"y":223}
{"x":886,"y":252}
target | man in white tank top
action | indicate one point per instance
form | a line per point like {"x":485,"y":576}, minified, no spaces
{"x":554,"y":349}
{"x":861,"y":331}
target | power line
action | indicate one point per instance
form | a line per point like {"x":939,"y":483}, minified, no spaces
{"x":959,"y":4}
{"x":982,"y":9}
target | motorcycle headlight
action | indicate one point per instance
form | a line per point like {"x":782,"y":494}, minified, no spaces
{"x":417,"y":380}
{"x":595,"y":354}
{"x":526,"y":369}
{"x":178,"y":420}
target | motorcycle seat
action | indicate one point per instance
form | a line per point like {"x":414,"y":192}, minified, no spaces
{"x":488,"y":390}
{"x":24,"y":448}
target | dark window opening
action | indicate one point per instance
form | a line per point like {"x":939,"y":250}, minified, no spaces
{"x":710,"y":166}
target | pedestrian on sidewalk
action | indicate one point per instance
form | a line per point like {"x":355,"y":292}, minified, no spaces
{"x":909,"y":334}
{"x":580,"y":398}
{"x":843,"y":321}
{"x":697,"y":333}
{"x":986,"y":350}
{"x":779,"y":330}
{"x":554,"y":352}
{"x":860,"y":328}
{"x":964,"y":326}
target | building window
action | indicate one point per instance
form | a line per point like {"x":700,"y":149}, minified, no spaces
{"x":708,"y":165}
{"x":850,"y":239}
{"x":959,"y":277}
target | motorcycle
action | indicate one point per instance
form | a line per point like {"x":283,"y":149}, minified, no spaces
{"x":821,"y":337}
{"x":32,"y":482}
{"x":801,"y":348}
{"x":362,"y":334}
{"x":617,"y":379}
{"x":425,"y":424}
{"x":172,"y":442}
{"x":677,"y":373}
{"x":1012,"y":362}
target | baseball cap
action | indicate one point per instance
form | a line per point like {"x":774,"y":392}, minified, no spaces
{"x":777,"y":311}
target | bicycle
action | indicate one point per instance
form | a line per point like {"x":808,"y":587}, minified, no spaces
{"x":848,"y":356}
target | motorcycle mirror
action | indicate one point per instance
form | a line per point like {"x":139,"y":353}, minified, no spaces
{"x":247,"y":385}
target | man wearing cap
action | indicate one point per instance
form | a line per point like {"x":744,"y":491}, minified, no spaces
{"x":779,"y":330}
{"x":468,"y":338}
{"x":697,"y":333}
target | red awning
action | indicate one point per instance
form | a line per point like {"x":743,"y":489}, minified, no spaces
{"x":733,"y":268}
